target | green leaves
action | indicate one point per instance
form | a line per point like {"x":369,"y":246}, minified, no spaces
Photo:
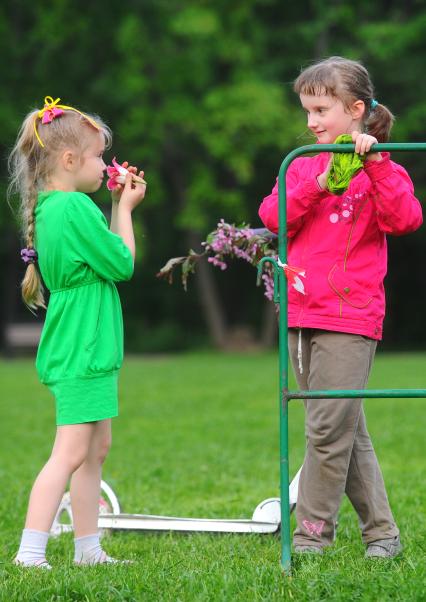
{"x":188,"y":267}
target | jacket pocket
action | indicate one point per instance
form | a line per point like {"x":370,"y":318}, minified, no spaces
{"x":349,"y":289}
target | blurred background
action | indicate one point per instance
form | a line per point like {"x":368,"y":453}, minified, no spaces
{"x":199,"y":95}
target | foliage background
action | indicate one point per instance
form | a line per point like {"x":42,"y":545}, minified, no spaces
{"x":199,"y":94}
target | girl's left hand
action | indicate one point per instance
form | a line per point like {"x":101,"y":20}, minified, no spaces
{"x":116,"y":193}
{"x":363,"y":143}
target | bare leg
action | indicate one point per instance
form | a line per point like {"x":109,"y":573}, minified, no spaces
{"x":85,"y":491}
{"x":86,"y":481}
{"x":69,"y":451}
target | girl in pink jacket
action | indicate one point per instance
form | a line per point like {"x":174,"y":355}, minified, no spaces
{"x":335,"y":319}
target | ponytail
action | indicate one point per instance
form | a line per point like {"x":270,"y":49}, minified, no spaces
{"x":379,"y":122}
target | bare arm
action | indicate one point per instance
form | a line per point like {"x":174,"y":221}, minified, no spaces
{"x":125,"y":228}
{"x":113,"y":224}
{"x":121,"y":212}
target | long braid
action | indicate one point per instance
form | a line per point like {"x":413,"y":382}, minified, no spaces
{"x":31,"y":286}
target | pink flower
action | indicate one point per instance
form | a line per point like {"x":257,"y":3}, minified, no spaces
{"x":114,"y":171}
{"x":217,"y":262}
{"x":268,"y":282}
{"x":117,"y":175}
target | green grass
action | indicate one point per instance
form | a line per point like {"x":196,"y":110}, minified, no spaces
{"x":198,"y":436}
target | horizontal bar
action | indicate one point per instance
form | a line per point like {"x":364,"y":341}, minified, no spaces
{"x":350,"y":148}
{"x":366,"y":393}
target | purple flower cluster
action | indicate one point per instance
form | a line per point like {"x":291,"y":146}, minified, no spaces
{"x":229,"y":242}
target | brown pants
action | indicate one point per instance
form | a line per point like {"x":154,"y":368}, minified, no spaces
{"x":339,"y":454}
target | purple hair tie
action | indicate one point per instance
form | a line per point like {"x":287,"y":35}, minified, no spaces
{"x":29,"y":255}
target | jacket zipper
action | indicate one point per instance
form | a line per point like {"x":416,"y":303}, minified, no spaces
{"x":348,"y":246}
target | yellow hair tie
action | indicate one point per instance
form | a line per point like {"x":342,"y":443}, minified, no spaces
{"x":53,"y":109}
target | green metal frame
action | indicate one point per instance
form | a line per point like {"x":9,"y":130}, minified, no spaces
{"x":280,"y":296}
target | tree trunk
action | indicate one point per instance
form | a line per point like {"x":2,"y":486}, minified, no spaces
{"x":211,"y":305}
{"x":209,"y":297}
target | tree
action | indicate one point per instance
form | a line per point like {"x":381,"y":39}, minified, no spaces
{"x":199,"y":94}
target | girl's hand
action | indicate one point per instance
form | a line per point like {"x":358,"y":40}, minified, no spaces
{"x":322,"y":178}
{"x":363,"y":143}
{"x":132,"y":192}
{"x":116,"y":193}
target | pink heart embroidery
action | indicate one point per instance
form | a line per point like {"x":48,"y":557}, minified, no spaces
{"x":314,"y":528}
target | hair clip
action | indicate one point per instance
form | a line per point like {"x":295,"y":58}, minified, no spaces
{"x":53,"y":109}
{"x":50,"y":110}
{"x":373,"y":104}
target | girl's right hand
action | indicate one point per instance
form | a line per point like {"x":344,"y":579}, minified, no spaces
{"x":133,"y":192}
{"x":322,"y":178}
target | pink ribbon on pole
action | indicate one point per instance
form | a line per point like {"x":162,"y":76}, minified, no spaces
{"x":294,"y":276}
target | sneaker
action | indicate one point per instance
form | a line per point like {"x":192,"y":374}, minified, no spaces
{"x":384,"y":548}
{"x":308,"y":550}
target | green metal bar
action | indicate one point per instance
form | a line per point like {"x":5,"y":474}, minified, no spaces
{"x":285,"y":395}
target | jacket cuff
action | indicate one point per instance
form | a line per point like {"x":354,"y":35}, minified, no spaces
{"x":314,"y":191}
{"x":378,"y":170}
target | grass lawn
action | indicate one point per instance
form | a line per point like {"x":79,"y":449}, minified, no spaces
{"x":198,"y":436}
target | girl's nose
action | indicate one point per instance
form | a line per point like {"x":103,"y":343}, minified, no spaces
{"x":311,"y":121}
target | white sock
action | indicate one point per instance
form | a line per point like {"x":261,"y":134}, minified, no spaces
{"x":32,"y":551}
{"x":88,"y":550}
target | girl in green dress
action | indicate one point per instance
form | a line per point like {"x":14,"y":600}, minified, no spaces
{"x":57,"y":160}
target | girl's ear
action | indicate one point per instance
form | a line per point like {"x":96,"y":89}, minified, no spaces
{"x":68,"y":160}
{"x":357,"y":109}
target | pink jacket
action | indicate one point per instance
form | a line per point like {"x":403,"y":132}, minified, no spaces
{"x":340,"y":241}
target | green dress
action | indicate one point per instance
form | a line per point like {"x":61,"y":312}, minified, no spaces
{"x":81,"y":346}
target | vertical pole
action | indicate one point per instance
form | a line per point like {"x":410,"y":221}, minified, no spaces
{"x":283,"y":381}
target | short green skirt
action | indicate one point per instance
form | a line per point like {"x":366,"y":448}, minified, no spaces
{"x":88,"y":399}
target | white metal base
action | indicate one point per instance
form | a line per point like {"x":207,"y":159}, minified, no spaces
{"x":172,"y":523}
{"x":266,"y":517}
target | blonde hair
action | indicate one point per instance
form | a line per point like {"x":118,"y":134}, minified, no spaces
{"x":348,"y":81}
{"x":30,"y":165}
